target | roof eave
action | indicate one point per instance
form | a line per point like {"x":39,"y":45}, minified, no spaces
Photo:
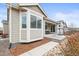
{"x":21,"y":5}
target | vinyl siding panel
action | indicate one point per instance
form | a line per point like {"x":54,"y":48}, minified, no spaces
{"x":14,"y":26}
{"x":24,"y":35}
{"x":35,"y":34}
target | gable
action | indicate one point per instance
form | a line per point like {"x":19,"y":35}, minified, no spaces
{"x":35,"y":8}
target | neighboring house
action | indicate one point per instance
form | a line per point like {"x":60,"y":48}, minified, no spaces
{"x":61,"y":27}
{"x":1,"y":30}
{"x":28,"y":23}
{"x":5,"y":27}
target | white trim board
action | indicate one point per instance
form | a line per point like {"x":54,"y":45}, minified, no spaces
{"x":20,"y":26}
{"x":20,"y":23}
{"x":10,"y":25}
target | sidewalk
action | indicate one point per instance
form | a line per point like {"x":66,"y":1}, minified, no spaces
{"x":39,"y":51}
{"x":4,"y":51}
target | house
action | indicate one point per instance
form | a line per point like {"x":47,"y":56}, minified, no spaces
{"x":1,"y":31}
{"x":28,"y":23}
{"x":61,"y":27}
{"x":5,"y":27}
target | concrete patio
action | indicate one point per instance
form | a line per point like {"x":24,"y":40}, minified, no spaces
{"x":55,"y":37}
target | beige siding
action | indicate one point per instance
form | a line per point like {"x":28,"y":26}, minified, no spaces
{"x":14,"y":26}
{"x":5,"y":29}
{"x":35,"y":34}
{"x":23,"y":35}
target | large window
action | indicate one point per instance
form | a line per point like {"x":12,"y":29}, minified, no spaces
{"x":46,"y":26}
{"x":53,"y":28}
{"x":35,"y":22}
{"x":59,"y":25}
{"x":24,"y":21}
{"x":39,"y":23}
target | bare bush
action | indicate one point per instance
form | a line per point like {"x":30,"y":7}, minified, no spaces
{"x":72,"y":46}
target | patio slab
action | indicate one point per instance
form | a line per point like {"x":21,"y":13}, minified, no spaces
{"x":4,"y":51}
{"x":55,"y":36}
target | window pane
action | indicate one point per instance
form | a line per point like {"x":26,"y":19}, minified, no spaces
{"x":33,"y":21}
{"x":45,"y":25}
{"x":24,"y":21}
{"x":59,"y":25}
{"x":53,"y":28}
{"x":38,"y":23}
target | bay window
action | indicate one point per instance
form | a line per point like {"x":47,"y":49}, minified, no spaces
{"x":33,"y":21}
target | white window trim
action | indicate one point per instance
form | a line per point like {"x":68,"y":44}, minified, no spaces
{"x":37,"y":16}
{"x":20,"y":26}
{"x":28,"y":26}
{"x":10,"y":25}
{"x":20,"y":16}
{"x":21,"y":20}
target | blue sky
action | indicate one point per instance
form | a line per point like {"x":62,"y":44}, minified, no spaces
{"x":67,"y":12}
{"x":3,"y":13}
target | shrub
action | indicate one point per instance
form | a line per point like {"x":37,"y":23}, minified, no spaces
{"x":72,"y":46}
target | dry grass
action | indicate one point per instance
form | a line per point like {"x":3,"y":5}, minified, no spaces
{"x":70,"y":32}
{"x":72,"y":45}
